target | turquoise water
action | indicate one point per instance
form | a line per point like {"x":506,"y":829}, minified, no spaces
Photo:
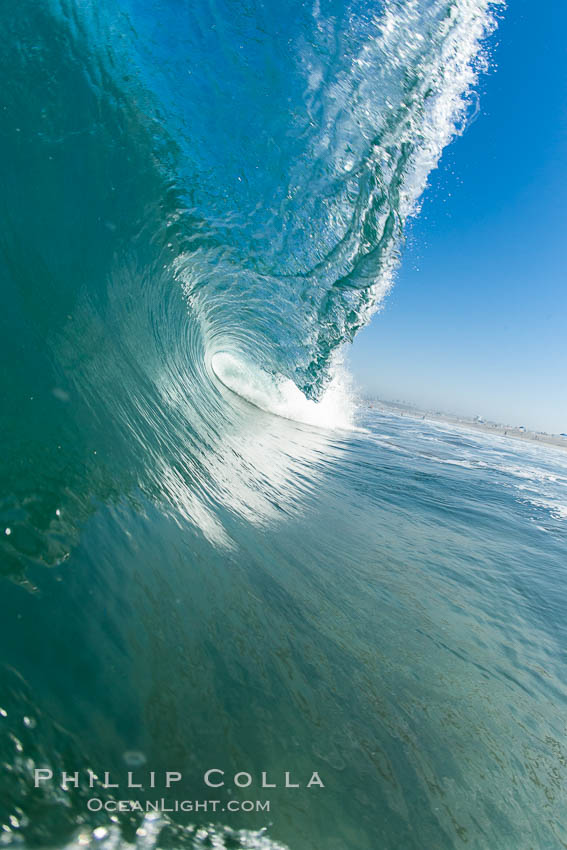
{"x":211,"y":558}
{"x":392,"y":618}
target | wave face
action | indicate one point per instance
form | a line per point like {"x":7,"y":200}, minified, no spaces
{"x":201,"y":203}
{"x":205,"y":180}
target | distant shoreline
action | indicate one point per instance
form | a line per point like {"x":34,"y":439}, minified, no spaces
{"x":515,"y":433}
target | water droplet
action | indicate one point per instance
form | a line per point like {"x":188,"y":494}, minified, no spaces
{"x":100,"y":832}
{"x":134,"y":758}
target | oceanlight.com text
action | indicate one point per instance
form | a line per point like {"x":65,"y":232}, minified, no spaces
{"x":96,"y":804}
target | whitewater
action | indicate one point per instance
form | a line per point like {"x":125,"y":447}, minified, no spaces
{"x":212,"y":556}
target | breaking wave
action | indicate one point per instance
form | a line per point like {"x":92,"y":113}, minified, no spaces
{"x":201,"y":205}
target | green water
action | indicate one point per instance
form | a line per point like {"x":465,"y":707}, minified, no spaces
{"x":211,"y":559}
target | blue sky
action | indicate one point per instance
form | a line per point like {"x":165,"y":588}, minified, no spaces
{"x":477,"y":320}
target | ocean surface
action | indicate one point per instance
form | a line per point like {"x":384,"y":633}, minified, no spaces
{"x":211,"y":556}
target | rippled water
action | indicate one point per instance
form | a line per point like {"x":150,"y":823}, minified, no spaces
{"x":210,"y":557}
{"x":399,"y":629}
